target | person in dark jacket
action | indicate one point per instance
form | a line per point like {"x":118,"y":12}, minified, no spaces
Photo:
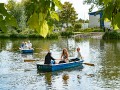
{"x":49,"y":59}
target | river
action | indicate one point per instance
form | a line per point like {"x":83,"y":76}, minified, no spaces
{"x":15,"y":74}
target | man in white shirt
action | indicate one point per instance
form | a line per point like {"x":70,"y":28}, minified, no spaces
{"x":29,"y":45}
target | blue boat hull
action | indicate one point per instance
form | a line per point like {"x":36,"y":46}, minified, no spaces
{"x":56,"y":67}
{"x":27,"y":51}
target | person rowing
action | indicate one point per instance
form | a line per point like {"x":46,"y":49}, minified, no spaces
{"x":49,"y":59}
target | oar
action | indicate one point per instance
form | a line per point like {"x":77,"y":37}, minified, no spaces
{"x":38,"y":48}
{"x":31,"y":60}
{"x":90,"y":64}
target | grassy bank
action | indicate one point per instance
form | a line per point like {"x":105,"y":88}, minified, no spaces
{"x":49,"y":36}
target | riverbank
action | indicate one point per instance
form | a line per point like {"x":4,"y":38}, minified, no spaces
{"x":77,"y":35}
{"x":97,"y":35}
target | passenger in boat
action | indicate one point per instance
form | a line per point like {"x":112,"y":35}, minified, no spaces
{"x":49,"y":59}
{"x":64,"y":56}
{"x":79,"y":56}
{"x":26,"y":45}
{"x":22,"y":45}
{"x":29,"y":44}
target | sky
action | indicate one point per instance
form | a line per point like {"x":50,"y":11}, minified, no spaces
{"x":82,"y":10}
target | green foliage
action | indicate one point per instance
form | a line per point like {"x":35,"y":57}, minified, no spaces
{"x":27,"y":31}
{"x":4,"y":36}
{"x":35,"y":36}
{"x":111,"y":35}
{"x":35,"y":12}
{"x":18,"y":11}
{"x":53,"y":36}
{"x":77,"y":26}
{"x":66,"y":34}
{"x":54,"y":15}
{"x":34,"y":21}
{"x":58,"y":4}
{"x":44,"y":29}
{"x":6,"y":20}
{"x":91,"y":30}
{"x":41,"y":10}
{"x":83,"y":21}
{"x":67,"y":15}
{"x":18,"y":36}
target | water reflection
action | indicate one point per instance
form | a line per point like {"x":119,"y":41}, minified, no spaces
{"x":65,"y":78}
{"x":48,"y":78}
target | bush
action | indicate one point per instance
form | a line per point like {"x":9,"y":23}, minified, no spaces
{"x":68,"y":34}
{"x":18,"y":36}
{"x":4,"y":36}
{"x":77,"y":27}
{"x":53,"y":36}
{"x":35,"y":36}
{"x":111,"y":35}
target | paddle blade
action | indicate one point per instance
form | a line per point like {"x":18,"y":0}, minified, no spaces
{"x":28,"y":60}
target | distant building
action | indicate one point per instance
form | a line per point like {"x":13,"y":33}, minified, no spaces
{"x":95,"y":20}
{"x":84,"y":25}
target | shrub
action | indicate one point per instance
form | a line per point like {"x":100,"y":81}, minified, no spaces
{"x":111,"y":35}
{"x":4,"y":36}
{"x":35,"y":36}
{"x":18,"y":36}
{"x":77,"y":27}
{"x":53,"y":36}
{"x":67,"y":34}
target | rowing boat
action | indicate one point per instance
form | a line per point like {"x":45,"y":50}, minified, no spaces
{"x":56,"y":67}
{"x":27,"y":50}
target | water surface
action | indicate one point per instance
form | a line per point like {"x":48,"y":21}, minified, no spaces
{"x":15,"y":74}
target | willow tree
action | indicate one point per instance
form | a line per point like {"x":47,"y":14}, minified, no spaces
{"x":111,"y":9}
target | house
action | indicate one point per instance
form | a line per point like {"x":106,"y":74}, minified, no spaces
{"x":95,"y":20}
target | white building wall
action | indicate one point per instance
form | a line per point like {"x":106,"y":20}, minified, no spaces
{"x":84,"y":25}
{"x":94,"y":21}
{"x":107,"y":24}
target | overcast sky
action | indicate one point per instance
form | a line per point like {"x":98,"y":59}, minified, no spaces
{"x":82,"y":10}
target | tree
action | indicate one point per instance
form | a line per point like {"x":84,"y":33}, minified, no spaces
{"x":6,"y":19}
{"x":39,"y":12}
{"x":68,"y":14}
{"x":77,"y":26}
{"x":110,"y":8}
{"x":18,"y":11}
